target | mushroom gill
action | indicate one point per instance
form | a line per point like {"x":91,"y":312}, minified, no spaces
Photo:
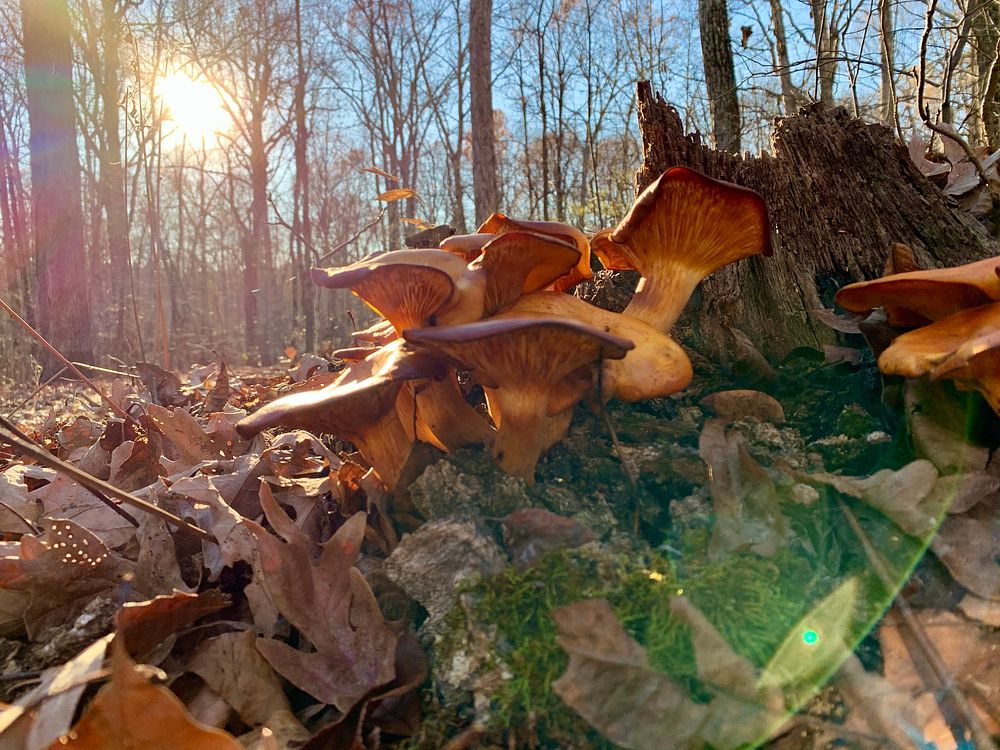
{"x":657,"y":366}
{"x":535,"y":369}
{"x":930,"y":294}
{"x":964,"y":347}
{"x":682,"y":227}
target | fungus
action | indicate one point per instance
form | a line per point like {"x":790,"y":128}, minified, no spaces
{"x":358,"y":406}
{"x":964,"y":347}
{"x":657,"y":366}
{"x":517,"y":263}
{"x":536,"y":369}
{"x":682,"y":227}
{"x":499,"y":223}
{"x":931,"y":294}
{"x":378,"y":333}
{"x":466,"y":246}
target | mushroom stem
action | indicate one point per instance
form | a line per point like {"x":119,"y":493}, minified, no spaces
{"x":525,"y":431}
{"x":445,"y":419}
{"x":661,"y":301}
{"x":386,"y":445}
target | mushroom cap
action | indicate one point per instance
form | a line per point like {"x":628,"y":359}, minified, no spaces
{"x":466,"y":246}
{"x":933,"y":294}
{"x":517,"y":263}
{"x":499,"y":223}
{"x":378,"y":333}
{"x":685,"y":219}
{"x":940,"y":348}
{"x":406,"y":294}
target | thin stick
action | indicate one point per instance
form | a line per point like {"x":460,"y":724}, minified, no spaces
{"x":351,"y":240}
{"x":85,"y":366}
{"x":12,"y":412}
{"x":55,"y":352}
{"x":626,"y":467}
{"x":980,"y":735}
{"x":99,"y":485}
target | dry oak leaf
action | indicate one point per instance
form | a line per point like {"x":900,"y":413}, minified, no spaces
{"x":130,"y":712}
{"x":65,"y":499}
{"x":191,"y":443}
{"x":320,"y":592}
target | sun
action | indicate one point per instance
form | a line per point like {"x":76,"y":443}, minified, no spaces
{"x":193,"y":109}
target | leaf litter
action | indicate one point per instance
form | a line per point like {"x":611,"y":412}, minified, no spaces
{"x":276,"y":632}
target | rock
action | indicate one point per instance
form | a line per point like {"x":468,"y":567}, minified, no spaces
{"x":467,"y":484}
{"x":430,"y":563}
{"x":739,"y":403}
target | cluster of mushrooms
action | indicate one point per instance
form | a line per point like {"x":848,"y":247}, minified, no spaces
{"x":495,"y":304}
{"x":954,"y":314}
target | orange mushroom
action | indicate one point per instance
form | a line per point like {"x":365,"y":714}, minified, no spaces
{"x":358,"y":406}
{"x":682,"y":227}
{"x":964,"y":347}
{"x":466,"y":246}
{"x":930,"y":294}
{"x":657,"y":366}
{"x":499,"y":223}
{"x":536,"y":369}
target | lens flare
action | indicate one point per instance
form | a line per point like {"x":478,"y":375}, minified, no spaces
{"x":193,"y":108}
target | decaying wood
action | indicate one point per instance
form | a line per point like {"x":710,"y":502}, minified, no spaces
{"x":840,"y":193}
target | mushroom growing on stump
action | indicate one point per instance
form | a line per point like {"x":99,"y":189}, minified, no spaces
{"x":680,"y":229}
{"x":536,"y":368}
{"x":964,"y":347}
{"x":359,"y":406}
{"x":466,"y":246}
{"x":931,"y":294}
{"x":500,"y":224}
{"x":657,"y":366}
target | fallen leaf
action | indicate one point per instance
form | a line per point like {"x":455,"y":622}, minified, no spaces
{"x":986,"y":611}
{"x":744,"y":499}
{"x":968,"y":548}
{"x":917,"y":148}
{"x":938,"y":418}
{"x":136,"y":463}
{"x":164,"y":386}
{"x":318,"y":590}
{"x":380,"y":173}
{"x":736,"y":404}
{"x":218,"y":397}
{"x":232,"y":666}
{"x":143,"y":625}
{"x":531,"y":532}
{"x":130,"y":712}
{"x":397,"y":194}
{"x":191,"y":444}
{"x":847,"y":323}
{"x":65,"y":499}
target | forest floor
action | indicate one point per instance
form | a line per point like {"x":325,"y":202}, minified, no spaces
{"x":809,"y":563}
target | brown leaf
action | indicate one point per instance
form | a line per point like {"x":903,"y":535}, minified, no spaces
{"x":844,"y":323}
{"x":918,"y":150}
{"x":232,"y":666}
{"x":733,"y":405}
{"x":136,"y":463}
{"x":418,"y":223}
{"x":218,"y":397}
{"x":380,"y":173}
{"x":190,"y":442}
{"x":143,"y":625}
{"x":318,"y":590}
{"x":164,"y":386}
{"x":130,"y":712}
{"x":531,"y":532}
{"x":65,"y":499}
{"x":969,"y":652}
{"x":968,"y":548}
{"x":396,"y":194}
{"x":746,"y":504}
{"x":938,"y":418}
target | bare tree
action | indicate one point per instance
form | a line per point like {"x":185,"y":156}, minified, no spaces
{"x":63,"y":307}
{"x":720,"y":76}
{"x":484,"y":159}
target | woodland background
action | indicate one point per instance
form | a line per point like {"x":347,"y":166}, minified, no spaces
{"x":195,"y":158}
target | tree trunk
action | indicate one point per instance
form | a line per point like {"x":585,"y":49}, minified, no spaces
{"x":484,"y":157}
{"x":112,"y":174}
{"x":986,"y":30}
{"x":302,"y":219}
{"x":63,"y":306}
{"x":791,"y":97}
{"x":887,"y":40}
{"x":826,"y":39}
{"x":720,"y":77}
{"x":839,"y":192}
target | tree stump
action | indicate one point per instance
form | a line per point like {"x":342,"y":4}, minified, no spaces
{"x":840,"y":192}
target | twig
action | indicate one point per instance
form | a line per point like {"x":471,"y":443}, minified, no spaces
{"x":626,"y":467}
{"x":8,"y":425}
{"x":280,"y":221}
{"x":925,"y":113}
{"x":353,"y":239}
{"x":99,"y":485}
{"x":12,"y":412}
{"x":980,"y":735}
{"x":55,"y":352}
{"x":95,"y":368}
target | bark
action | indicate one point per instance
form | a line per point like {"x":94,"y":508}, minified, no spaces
{"x":839,"y":192}
{"x":986,"y":30}
{"x":484,"y":157}
{"x":63,"y":304}
{"x":720,"y":77}
{"x":302,"y":219}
